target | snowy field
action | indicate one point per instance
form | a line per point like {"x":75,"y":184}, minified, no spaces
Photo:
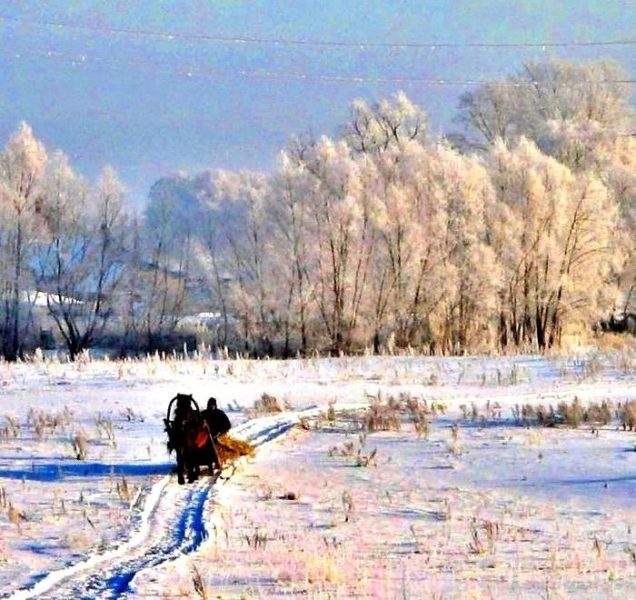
{"x":393,"y":477}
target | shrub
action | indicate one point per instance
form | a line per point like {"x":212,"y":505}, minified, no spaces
{"x":546,"y":416}
{"x":572,"y":413}
{"x":598,"y":414}
{"x":627,"y":415}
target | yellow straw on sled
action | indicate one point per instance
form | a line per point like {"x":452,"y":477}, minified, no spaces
{"x":229,"y":448}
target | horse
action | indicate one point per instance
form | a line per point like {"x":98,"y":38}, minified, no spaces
{"x":189,"y":437}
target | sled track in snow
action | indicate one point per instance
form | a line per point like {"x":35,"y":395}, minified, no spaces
{"x":172,"y":525}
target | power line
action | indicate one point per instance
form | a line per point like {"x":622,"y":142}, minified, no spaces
{"x":360,"y":45}
{"x":192,"y":72}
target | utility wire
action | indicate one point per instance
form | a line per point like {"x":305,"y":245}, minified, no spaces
{"x":361,"y":45}
{"x":205,"y":73}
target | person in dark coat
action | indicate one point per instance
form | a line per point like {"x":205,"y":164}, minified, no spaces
{"x":217,"y":420}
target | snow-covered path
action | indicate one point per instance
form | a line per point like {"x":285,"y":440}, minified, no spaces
{"x":172,"y":524}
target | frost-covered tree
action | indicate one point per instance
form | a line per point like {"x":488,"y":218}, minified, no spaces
{"x":387,"y":135}
{"x":165,"y":242}
{"x":249,"y":247}
{"x":433,"y":269}
{"x":580,"y":115}
{"x":220,"y":225}
{"x":470,"y":271}
{"x":291,"y":242}
{"x":614,"y":162}
{"x":491,"y":110}
{"x":567,"y":109}
{"x":341,"y":238}
{"x":80,"y":257}
{"x":22,"y":166}
{"x":390,"y":122}
{"x":383,"y":237}
{"x":128,"y":307}
{"x":555,"y":234}
{"x":407,"y":220}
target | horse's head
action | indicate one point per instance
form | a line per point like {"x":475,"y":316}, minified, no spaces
{"x":185,"y":429}
{"x":183,"y":411}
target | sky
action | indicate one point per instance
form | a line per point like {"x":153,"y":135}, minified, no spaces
{"x":94,"y":80}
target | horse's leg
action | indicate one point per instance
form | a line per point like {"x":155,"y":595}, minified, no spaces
{"x":180,"y":466}
{"x":192,"y":467}
{"x":195,"y":466}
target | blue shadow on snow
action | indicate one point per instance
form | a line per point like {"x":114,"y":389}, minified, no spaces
{"x":59,"y":471}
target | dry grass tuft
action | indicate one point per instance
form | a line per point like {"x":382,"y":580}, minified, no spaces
{"x":475,"y":546}
{"x":347,"y":505}
{"x":79,"y":443}
{"x":573,"y":414}
{"x":267,"y":404}
{"x":257,"y":541}
{"x":125,"y":491}
{"x":364,"y":460}
{"x":198,"y":583}
{"x":387,"y":416}
{"x":11,"y":429}
{"x":380,"y":417}
{"x":16,"y":517}
{"x":105,"y":429}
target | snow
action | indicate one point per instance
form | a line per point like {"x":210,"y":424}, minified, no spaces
{"x":552,"y":508}
{"x":44,"y":299}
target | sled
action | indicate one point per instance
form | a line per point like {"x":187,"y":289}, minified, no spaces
{"x":189,"y":437}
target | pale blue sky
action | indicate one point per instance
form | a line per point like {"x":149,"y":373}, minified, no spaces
{"x":129,"y":105}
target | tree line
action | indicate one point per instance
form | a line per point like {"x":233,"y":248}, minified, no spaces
{"x":514,"y":234}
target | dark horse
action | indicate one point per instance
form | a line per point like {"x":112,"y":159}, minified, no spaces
{"x":189,"y":437}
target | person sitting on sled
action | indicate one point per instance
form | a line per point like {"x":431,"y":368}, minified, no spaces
{"x":217,"y":420}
